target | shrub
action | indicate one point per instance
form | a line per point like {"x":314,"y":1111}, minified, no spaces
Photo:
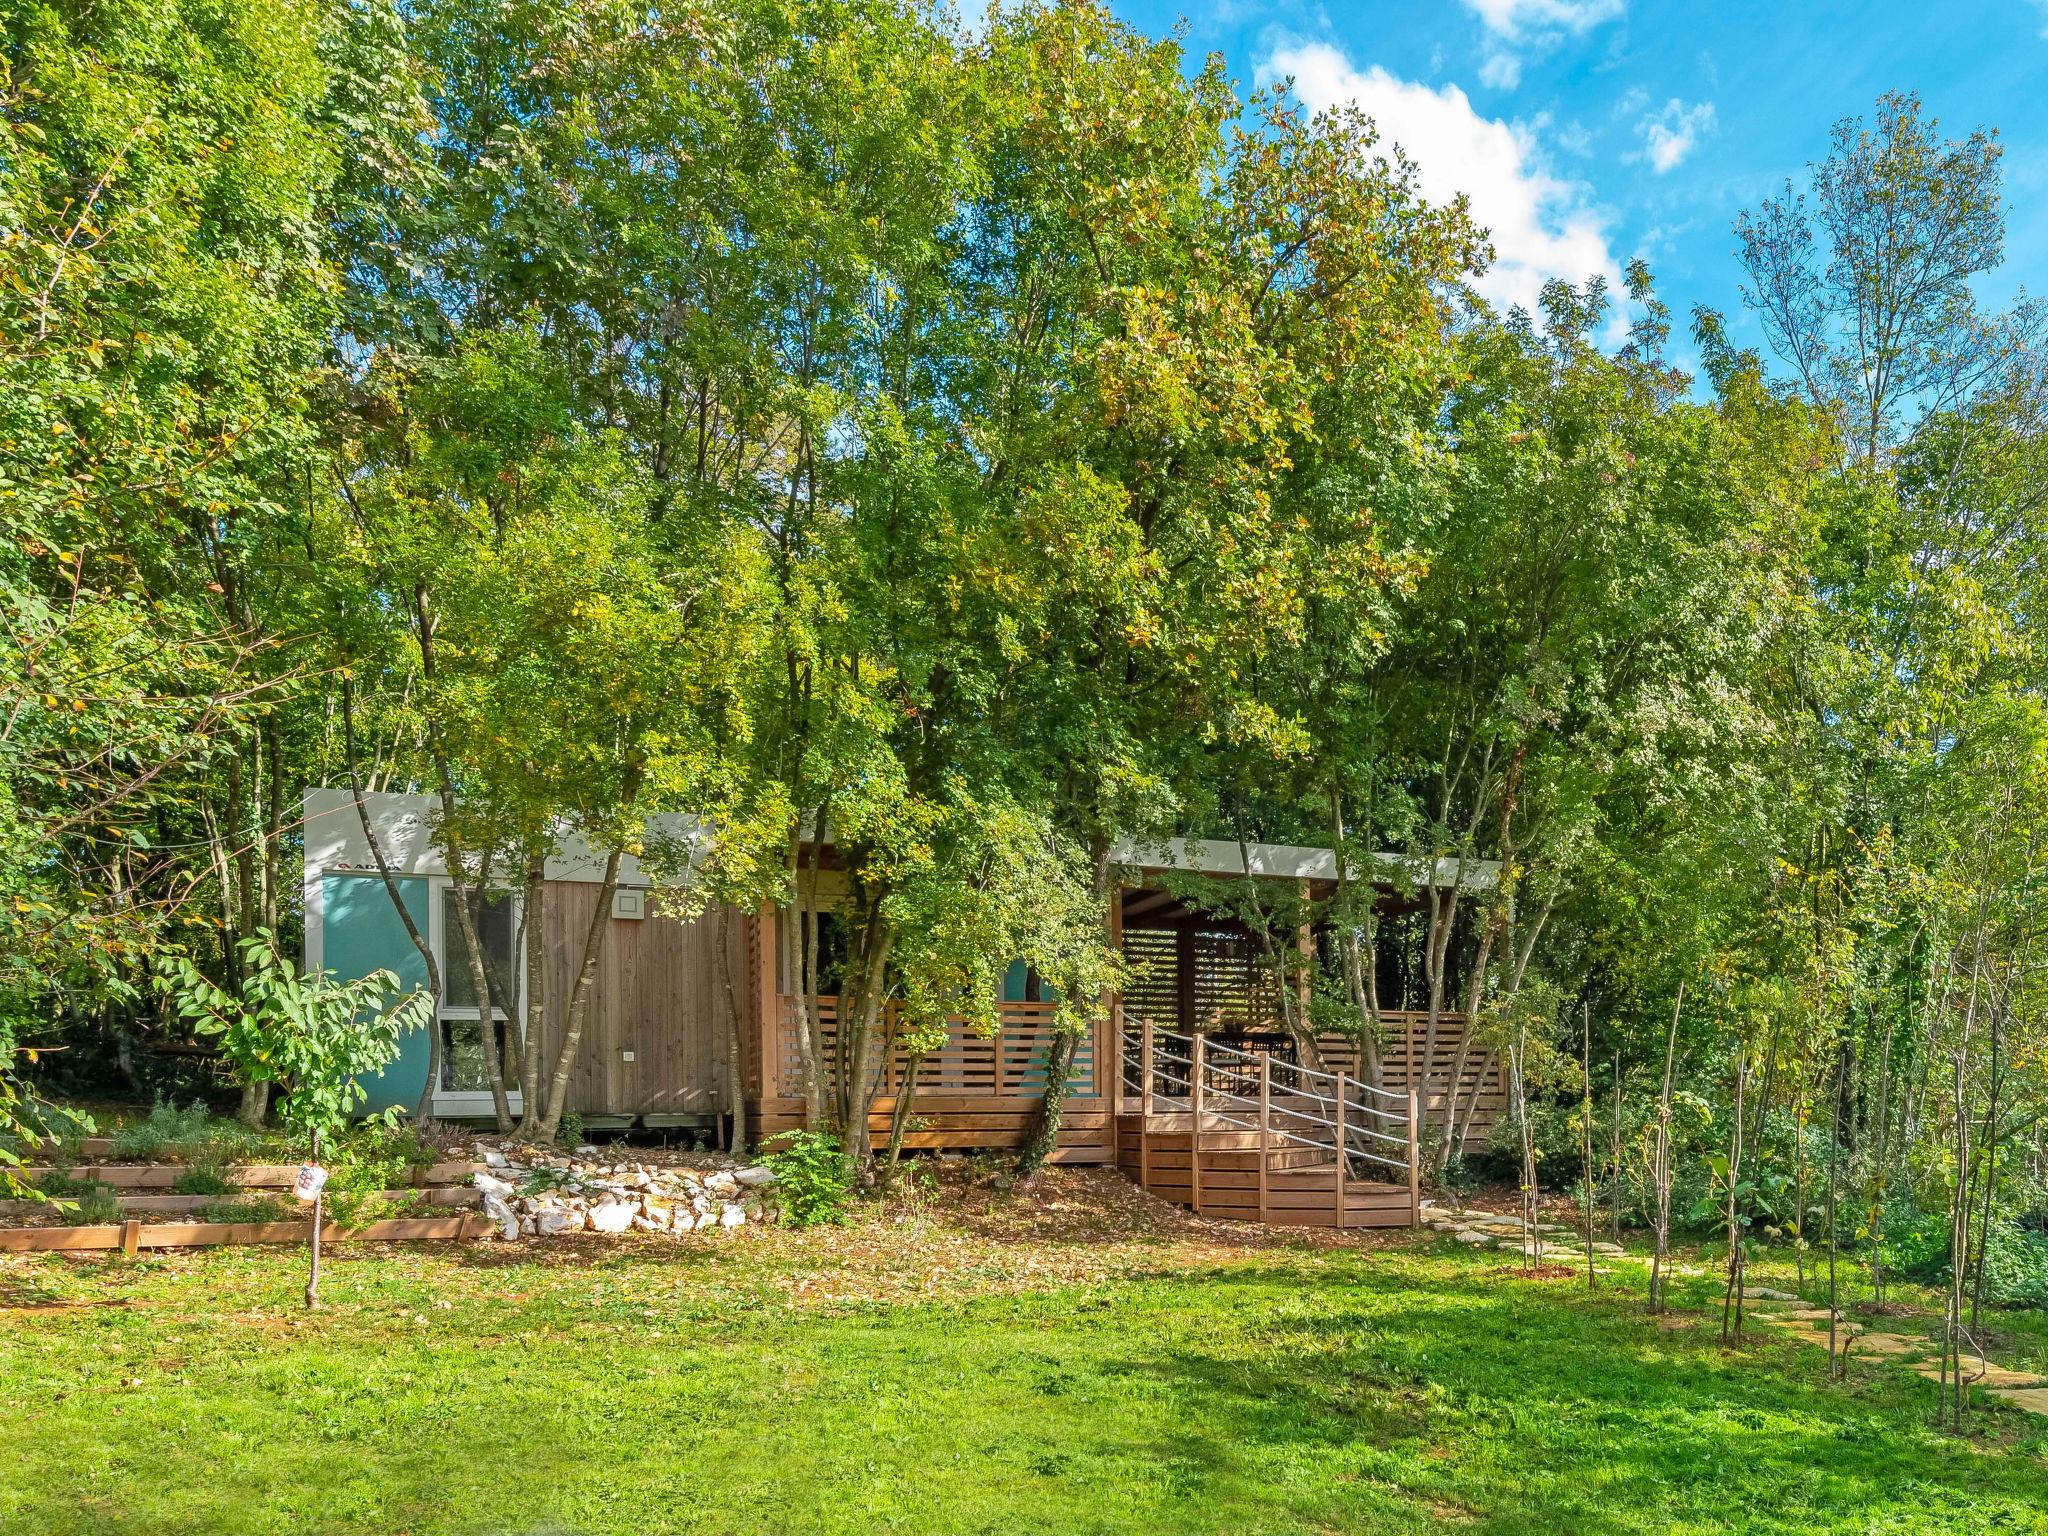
{"x":363,"y":1163}
{"x":203,"y":1178}
{"x":81,"y":1202}
{"x":570,"y":1132}
{"x":169,"y":1132}
{"x":98,"y":1208}
{"x":248,"y":1208}
{"x":2015,"y":1265}
{"x":45,"y":1131}
{"x":812,"y":1176}
{"x":544,"y":1178}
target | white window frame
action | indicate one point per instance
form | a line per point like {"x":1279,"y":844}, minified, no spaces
{"x":467,"y":1103}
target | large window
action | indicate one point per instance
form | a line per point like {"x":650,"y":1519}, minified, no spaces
{"x":496,"y":921}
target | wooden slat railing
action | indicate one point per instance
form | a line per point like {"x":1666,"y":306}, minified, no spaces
{"x":1010,"y":1064}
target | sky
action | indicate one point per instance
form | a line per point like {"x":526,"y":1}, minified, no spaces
{"x":1591,"y":132}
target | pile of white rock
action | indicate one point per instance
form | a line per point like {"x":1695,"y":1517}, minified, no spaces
{"x":545,"y":1196}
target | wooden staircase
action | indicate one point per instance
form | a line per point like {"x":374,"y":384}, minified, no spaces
{"x":1250,"y":1137}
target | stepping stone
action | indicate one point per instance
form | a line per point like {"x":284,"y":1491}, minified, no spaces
{"x":1471,"y":1235}
{"x":2033,"y":1399}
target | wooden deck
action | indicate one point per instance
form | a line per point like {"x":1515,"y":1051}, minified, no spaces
{"x":981,"y":1093}
{"x":975,"y":1093}
{"x":1252,"y":1138}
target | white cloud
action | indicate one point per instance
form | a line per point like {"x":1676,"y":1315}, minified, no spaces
{"x":1537,"y":26}
{"x":1672,"y":134}
{"x":1541,"y":226}
{"x":1574,"y":138}
{"x":1500,"y":69}
{"x":1513,"y":18}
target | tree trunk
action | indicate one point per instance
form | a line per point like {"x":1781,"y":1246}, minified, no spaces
{"x":1522,"y":953}
{"x":1364,"y":997}
{"x":1837,"y":1365}
{"x":735,"y":1088}
{"x":1059,"y":1057}
{"x":1731,"y":1296}
{"x":579,"y":1001}
{"x":899,"y":1114}
{"x":469,"y":900}
{"x":470,"y":897}
{"x":534,"y":921}
{"x":255,"y":1105}
{"x":1586,"y":1128}
{"x":1662,"y":1171}
{"x":863,"y":1060}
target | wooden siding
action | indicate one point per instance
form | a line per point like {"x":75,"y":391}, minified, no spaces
{"x":656,"y":994}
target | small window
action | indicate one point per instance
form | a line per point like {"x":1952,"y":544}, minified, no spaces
{"x":462,"y":1056}
{"x":462,"y":1037}
{"x":495,"y":930}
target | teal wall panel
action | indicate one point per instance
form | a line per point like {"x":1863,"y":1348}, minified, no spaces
{"x":361,"y":933}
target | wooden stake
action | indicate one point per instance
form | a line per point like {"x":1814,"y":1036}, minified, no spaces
{"x":1195,"y":1125}
{"x":131,"y":1237}
{"x":313,"y":1275}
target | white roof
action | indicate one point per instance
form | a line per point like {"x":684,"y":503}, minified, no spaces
{"x":1291,"y":861}
{"x":404,"y":826}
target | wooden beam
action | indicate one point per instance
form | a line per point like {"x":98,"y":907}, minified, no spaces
{"x":1195,"y":1125}
{"x":1149,"y":901}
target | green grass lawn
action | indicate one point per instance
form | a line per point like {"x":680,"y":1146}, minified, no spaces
{"x":945,"y":1372}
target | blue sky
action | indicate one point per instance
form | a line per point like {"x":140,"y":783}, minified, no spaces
{"x":1589,"y":132}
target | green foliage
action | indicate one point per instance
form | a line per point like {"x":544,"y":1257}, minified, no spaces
{"x":570,"y":1132}
{"x":171,"y":1134}
{"x":81,"y":1202}
{"x":367,"y":1162}
{"x":314,"y":1036}
{"x":540,"y":1180}
{"x":814,"y":1180}
{"x":31,"y":1130}
{"x":165,"y":165}
{"x":250,"y":1208}
{"x":203,"y":1178}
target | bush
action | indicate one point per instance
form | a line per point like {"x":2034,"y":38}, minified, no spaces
{"x":812,"y":1177}
{"x":248,"y":1208}
{"x":203,"y":1178}
{"x":81,"y":1202}
{"x":47,"y":1132}
{"x":170,"y":1133}
{"x":2015,"y":1265}
{"x":365,"y":1161}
